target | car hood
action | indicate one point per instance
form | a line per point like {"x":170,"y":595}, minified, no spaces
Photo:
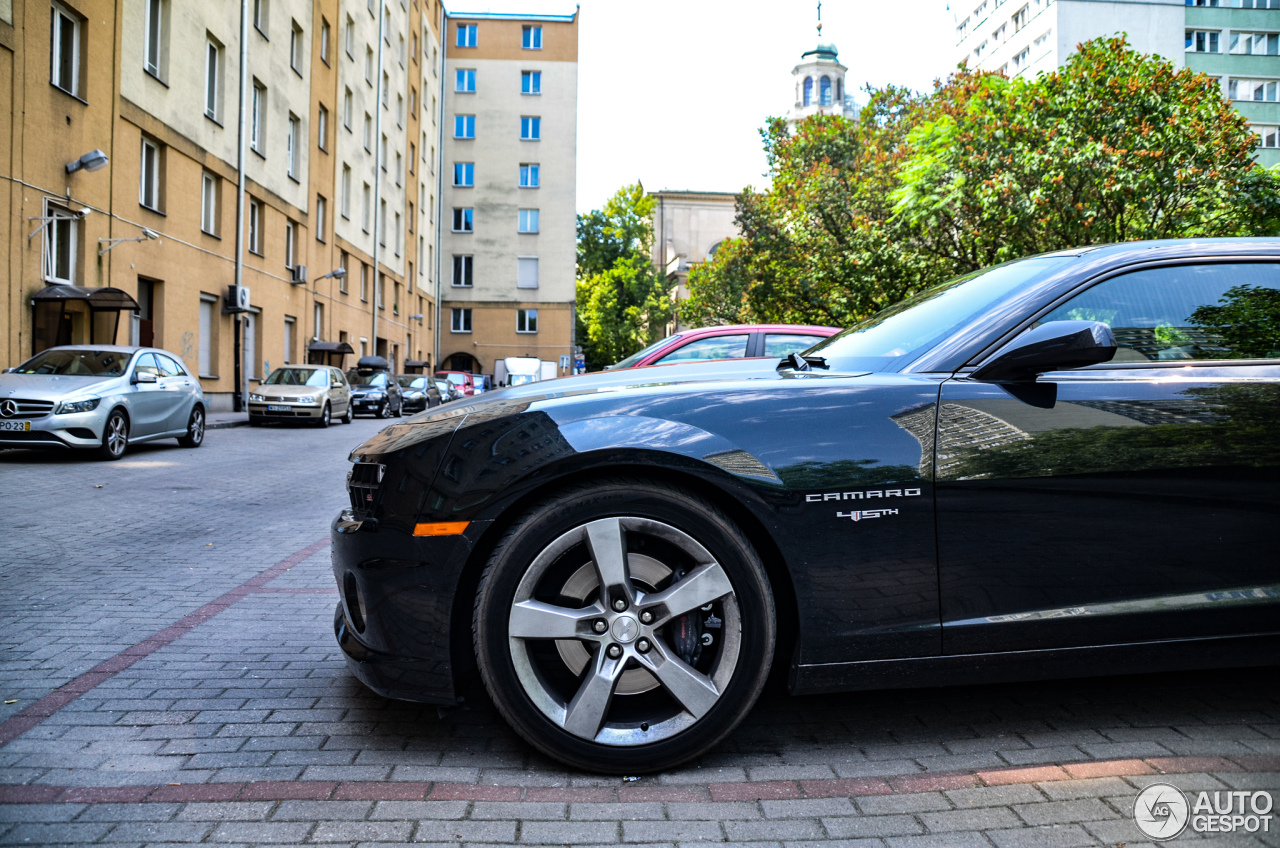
{"x":289,"y":391}
{"x":53,"y":386}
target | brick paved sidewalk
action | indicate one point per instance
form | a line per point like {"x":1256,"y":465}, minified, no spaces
{"x":177,"y":681}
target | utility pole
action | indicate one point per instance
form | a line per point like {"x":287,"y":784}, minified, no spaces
{"x":377,"y":176}
{"x":241,"y":373}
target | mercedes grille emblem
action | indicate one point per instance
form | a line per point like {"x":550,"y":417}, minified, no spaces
{"x":8,"y":409}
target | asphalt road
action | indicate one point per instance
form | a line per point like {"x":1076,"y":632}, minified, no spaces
{"x":170,"y":676}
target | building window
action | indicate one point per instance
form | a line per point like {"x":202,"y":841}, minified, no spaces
{"x":1039,"y":42}
{"x":349,"y":40}
{"x":399,"y":168}
{"x":463,"y":268}
{"x":462,"y":220}
{"x":322,"y":209}
{"x":346,"y":191}
{"x":324,"y":41}
{"x":386,"y":90}
{"x":526,"y":320}
{"x":213,"y":79}
{"x":255,"y":226}
{"x":1259,"y":90}
{"x":364,"y":282}
{"x":464,"y":126}
{"x":528,"y":175}
{"x":528,"y":220}
{"x":1255,"y":43}
{"x":317,"y":321}
{"x":153,"y":59}
{"x":368,"y":65}
{"x":466,"y":35}
{"x":1202,"y":42}
{"x":464,"y":81}
{"x":209,"y":205}
{"x":149,"y":182}
{"x":382,"y":223}
{"x":1021,"y":60}
{"x":531,"y":37}
{"x":1268,"y":136}
{"x":343,"y":259}
{"x":290,"y":242}
{"x":322,"y":128}
{"x":808,"y":91}
{"x":291,"y":147}
{"x":368,"y":133}
{"x":531,"y":82}
{"x":530,"y":128}
{"x":208,"y":327}
{"x":460,"y":320}
{"x":64,"y":50}
{"x":260,"y":16}
{"x":382,"y":152}
{"x":824,"y":91}
{"x":289,"y":324}
{"x":1021,"y":17}
{"x":61,"y":234}
{"x":365,"y":208}
{"x":295,"y":48}
{"x":464,"y":174}
{"x":526,"y":272}
{"x":258,"y":119}
{"x":413,"y":157}
{"x":399,"y":231}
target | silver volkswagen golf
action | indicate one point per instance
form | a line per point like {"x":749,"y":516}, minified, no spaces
{"x":101,"y":397}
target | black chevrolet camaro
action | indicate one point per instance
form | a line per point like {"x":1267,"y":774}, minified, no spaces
{"x":1064,"y":465}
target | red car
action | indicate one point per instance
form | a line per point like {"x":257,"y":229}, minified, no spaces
{"x":738,"y":341}
{"x":460,"y":380}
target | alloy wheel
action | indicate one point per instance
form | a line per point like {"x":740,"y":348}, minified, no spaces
{"x":622,"y":647}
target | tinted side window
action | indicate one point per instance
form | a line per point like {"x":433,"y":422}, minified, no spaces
{"x":147,"y":364}
{"x":1202,"y":312}
{"x":778,"y":345}
{"x":716,"y":347}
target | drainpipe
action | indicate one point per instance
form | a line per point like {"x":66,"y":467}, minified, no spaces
{"x":241,"y":374}
{"x":444,"y":57}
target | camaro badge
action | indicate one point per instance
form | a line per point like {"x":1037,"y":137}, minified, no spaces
{"x":858,"y":515}
{"x":859,"y":496}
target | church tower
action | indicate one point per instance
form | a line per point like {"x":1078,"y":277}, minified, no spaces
{"x":820,"y":83}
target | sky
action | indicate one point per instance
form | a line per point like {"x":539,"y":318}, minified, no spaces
{"x":673,"y":92}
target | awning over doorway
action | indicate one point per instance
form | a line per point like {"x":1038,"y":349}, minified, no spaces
{"x":98,"y":298}
{"x":328,"y":353}
{"x":415,"y":366}
{"x":77,"y":315}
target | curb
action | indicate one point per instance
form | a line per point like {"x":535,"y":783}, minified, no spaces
{"x":225,"y":425}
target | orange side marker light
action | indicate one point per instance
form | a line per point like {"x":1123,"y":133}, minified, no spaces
{"x":441,"y":528}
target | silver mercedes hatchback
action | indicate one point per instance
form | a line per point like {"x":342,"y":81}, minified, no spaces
{"x":100,"y":397}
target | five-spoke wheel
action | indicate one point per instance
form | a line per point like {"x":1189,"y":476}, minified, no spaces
{"x":624,"y":628}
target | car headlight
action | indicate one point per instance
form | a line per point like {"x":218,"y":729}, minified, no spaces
{"x":68,"y":406}
{"x":374,"y":395}
{"x":414,"y":396}
{"x":258,"y":398}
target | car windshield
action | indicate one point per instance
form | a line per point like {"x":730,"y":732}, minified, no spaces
{"x":457,"y":379}
{"x":367,"y":378}
{"x":639,"y":355}
{"x":77,"y":363}
{"x":298,"y":377}
{"x":411,"y":382}
{"x":897,"y":335}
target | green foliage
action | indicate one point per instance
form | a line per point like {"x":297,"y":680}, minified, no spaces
{"x":1114,"y":146}
{"x":1247,"y":322}
{"x":623,"y":302}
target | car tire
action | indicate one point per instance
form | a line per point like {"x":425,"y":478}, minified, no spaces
{"x":195,"y":429}
{"x":384,"y":411}
{"x":348,"y":416}
{"x":115,"y":436}
{"x":400,"y":409}
{"x":637,"y":689}
{"x":326,"y":416}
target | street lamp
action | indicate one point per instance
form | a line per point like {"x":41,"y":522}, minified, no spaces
{"x":336,"y":273}
{"x":417,"y":317}
{"x":94,"y":160}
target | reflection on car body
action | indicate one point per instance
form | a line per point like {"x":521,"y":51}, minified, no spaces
{"x":1084,"y":447}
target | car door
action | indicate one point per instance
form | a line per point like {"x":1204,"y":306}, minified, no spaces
{"x":148,"y":404}
{"x":1130,"y":501}
{"x":179,"y":392}
{"x":339,"y":394}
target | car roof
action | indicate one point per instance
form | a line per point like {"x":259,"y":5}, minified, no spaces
{"x":806,"y":329}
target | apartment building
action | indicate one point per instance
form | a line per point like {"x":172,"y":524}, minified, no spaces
{"x":139,"y":244}
{"x":1236,"y":41}
{"x":509,"y":159}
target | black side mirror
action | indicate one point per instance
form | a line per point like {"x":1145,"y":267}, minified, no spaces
{"x":1054,"y":346}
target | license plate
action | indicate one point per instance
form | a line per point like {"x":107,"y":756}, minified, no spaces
{"x":16,"y":426}
{"x":276,"y":408}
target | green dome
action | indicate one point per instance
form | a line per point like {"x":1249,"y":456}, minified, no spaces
{"x":822,"y":51}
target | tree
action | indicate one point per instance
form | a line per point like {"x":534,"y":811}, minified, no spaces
{"x":623,"y":302}
{"x":1114,"y":146}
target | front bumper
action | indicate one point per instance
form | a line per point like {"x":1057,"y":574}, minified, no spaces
{"x":364,"y":405}
{"x":402,"y":590}
{"x":74,"y":430}
{"x":294,"y":411}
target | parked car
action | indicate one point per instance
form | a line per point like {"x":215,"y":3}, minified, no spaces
{"x":373,"y":389}
{"x":419,"y":391}
{"x":448,"y":391}
{"x":463,"y":380}
{"x":1053,"y":467}
{"x":102,"y":398}
{"x":311,"y":394}
{"x":737,"y":341}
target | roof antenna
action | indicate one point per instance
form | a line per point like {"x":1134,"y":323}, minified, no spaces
{"x":819,"y":20}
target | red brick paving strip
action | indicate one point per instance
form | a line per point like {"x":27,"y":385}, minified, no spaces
{"x":34,"y":714}
{"x":317,"y":790}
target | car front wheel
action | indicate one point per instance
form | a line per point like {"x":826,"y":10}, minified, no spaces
{"x":624,"y":627}
{"x":115,"y":436}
